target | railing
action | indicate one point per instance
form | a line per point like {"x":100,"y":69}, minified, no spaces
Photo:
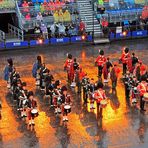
{"x":2,"y":36}
{"x":16,"y":32}
{"x":119,"y":16}
{"x":19,"y":15}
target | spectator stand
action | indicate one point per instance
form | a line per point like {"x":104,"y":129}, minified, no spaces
{"x":7,"y":6}
{"x":64,"y":16}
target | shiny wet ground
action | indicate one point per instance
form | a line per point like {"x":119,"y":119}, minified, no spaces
{"x":122,"y":126}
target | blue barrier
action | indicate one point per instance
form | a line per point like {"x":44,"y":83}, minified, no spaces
{"x":121,"y":35}
{"x":59,"y":40}
{"x":17,"y":44}
{"x":112,"y":36}
{"x":76,"y":39}
{"x":141,"y":33}
{"x":89,"y":38}
{"x":2,"y":45}
{"x":37,"y":42}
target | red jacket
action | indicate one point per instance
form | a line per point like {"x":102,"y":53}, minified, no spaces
{"x":99,"y":95}
{"x":68,"y":64}
{"x":125,"y":57}
{"x":101,"y":60}
{"x":142,"y":88}
{"x":82,"y":26}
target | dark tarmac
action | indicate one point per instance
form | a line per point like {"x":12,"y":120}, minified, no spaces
{"x":122,"y":126}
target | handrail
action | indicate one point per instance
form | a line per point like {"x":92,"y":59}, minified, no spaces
{"x":16,"y":32}
{"x":19,"y":15}
{"x":2,"y":36}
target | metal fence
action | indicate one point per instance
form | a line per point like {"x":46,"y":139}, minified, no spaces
{"x":16,"y":32}
{"x":2,"y":36}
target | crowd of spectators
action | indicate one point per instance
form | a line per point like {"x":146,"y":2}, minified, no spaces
{"x":6,"y":5}
{"x":65,"y":16}
{"x":57,"y":30}
{"x":62,"y":11}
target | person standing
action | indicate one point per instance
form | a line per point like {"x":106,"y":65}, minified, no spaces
{"x":99,"y":95}
{"x":32,"y":104}
{"x":106,"y":70}
{"x":7,"y":71}
{"x":36,"y":66}
{"x":142,"y":88}
{"x":125,"y":57}
{"x":114,"y":76}
{"x":66,"y":103}
{"x":68,"y":66}
{"x":100,"y":61}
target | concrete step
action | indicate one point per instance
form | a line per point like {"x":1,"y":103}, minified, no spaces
{"x":101,"y":40}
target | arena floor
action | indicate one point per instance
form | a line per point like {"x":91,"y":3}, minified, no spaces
{"x":122,"y":126}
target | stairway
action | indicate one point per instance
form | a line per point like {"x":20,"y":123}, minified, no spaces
{"x":86,"y":15}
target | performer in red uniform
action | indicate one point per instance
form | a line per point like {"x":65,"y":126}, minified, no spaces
{"x":99,"y":95}
{"x":126,"y":60}
{"x":106,"y":70}
{"x":66,"y":103}
{"x":68,"y":66}
{"x":114,"y":76}
{"x":57,"y":101}
{"x":32,"y":104}
{"x":80,"y":74}
{"x":100,"y":61}
{"x":142,"y":88}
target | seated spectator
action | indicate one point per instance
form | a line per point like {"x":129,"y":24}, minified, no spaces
{"x":28,"y":17}
{"x":60,"y":15}
{"x":144,"y":15}
{"x":37,"y":29}
{"x":52,"y":29}
{"x":37,"y":7}
{"x":57,"y":4}
{"x":42,"y":8}
{"x":56,"y":16}
{"x":61,"y":30}
{"x":25,"y":6}
{"x":67,"y":16}
{"x":39,"y":17}
{"x":51,"y":6}
{"x":44,"y":31}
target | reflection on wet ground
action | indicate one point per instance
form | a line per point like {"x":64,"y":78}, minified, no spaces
{"x":121,"y":126}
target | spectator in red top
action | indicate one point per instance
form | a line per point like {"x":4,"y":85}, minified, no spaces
{"x":28,"y":17}
{"x":105,"y":26}
{"x":51,"y":5}
{"x":25,"y":5}
{"x":57,"y":4}
{"x":82,"y":27}
{"x":144,"y":13}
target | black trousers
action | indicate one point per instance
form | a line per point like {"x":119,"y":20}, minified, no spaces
{"x":127,"y":92}
{"x":124,"y":68}
{"x":100,"y":68}
{"x":79,"y":87}
{"x":142,"y":103}
{"x":85,"y":95}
